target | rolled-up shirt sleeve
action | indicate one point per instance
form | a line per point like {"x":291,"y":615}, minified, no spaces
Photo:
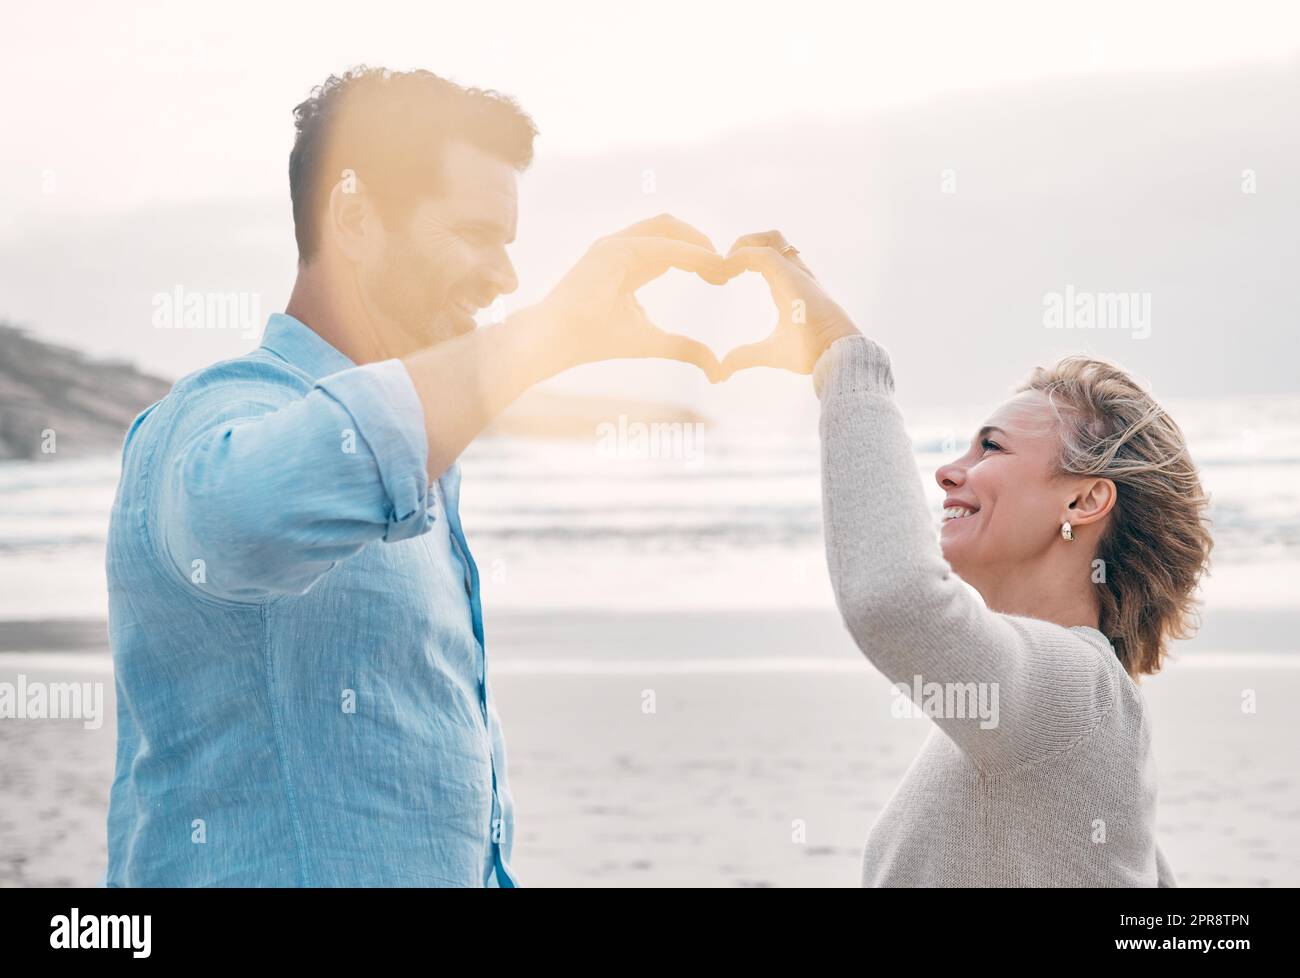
{"x":263,"y":489}
{"x":381,"y":400}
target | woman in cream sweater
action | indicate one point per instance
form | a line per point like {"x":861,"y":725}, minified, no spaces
{"x":1077,"y":515}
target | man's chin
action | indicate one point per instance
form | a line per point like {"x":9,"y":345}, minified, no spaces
{"x":457,"y":322}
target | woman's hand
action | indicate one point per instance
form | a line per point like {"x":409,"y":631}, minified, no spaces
{"x":809,"y":320}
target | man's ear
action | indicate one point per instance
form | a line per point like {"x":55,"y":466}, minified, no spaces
{"x":1094,"y":499}
{"x":349,"y":218}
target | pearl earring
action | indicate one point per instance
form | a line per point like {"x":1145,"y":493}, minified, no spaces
{"x":1066,"y":532}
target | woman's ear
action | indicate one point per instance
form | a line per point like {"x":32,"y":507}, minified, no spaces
{"x":1094,"y":500}
{"x":349,"y":218}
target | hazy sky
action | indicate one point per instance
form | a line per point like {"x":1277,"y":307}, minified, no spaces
{"x":1100,"y":146}
{"x":140,"y":103}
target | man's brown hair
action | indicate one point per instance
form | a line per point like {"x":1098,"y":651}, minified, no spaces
{"x":388,"y":128}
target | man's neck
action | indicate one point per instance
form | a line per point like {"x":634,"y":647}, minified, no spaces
{"x":336,"y":315}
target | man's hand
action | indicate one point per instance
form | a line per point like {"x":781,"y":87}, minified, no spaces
{"x":808,"y":319}
{"x":593,"y":314}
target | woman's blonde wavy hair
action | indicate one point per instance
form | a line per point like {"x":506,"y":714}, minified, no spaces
{"x":1157,"y":543}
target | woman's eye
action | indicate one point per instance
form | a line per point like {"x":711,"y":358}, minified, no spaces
{"x":990,"y":446}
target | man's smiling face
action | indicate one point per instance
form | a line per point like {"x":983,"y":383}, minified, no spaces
{"x":446,"y":258}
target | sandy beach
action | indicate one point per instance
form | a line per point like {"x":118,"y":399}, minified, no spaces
{"x":764,"y":723}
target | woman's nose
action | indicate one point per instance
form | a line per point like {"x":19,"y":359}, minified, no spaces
{"x":949,"y":476}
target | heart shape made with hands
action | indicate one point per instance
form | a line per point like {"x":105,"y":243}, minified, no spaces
{"x":807,"y":321}
{"x":722,"y":317}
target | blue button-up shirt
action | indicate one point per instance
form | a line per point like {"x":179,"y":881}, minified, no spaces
{"x":302,"y":690}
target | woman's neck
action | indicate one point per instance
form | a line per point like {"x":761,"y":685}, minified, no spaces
{"x":1048,"y":594}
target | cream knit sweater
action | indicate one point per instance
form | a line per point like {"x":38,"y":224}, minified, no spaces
{"x":1062,"y":790}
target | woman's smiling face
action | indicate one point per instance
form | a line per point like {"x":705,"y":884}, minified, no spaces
{"x":1005,"y":498}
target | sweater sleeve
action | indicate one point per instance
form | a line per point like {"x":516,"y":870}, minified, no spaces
{"x":1164,"y":872}
{"x":1040,"y":687}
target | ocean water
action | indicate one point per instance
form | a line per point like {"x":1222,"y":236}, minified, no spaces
{"x":726,"y":518}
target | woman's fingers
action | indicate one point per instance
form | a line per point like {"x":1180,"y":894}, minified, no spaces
{"x":768,"y":262}
{"x":780,"y":277}
{"x":760,"y":239}
{"x":774,"y":240}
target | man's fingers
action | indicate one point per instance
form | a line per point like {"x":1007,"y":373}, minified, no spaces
{"x":761,"y":354}
{"x":674,"y":346}
{"x":667,"y":226}
{"x":651,"y":257}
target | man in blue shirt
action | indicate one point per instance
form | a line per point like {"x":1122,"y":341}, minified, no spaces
{"x":302,"y":686}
